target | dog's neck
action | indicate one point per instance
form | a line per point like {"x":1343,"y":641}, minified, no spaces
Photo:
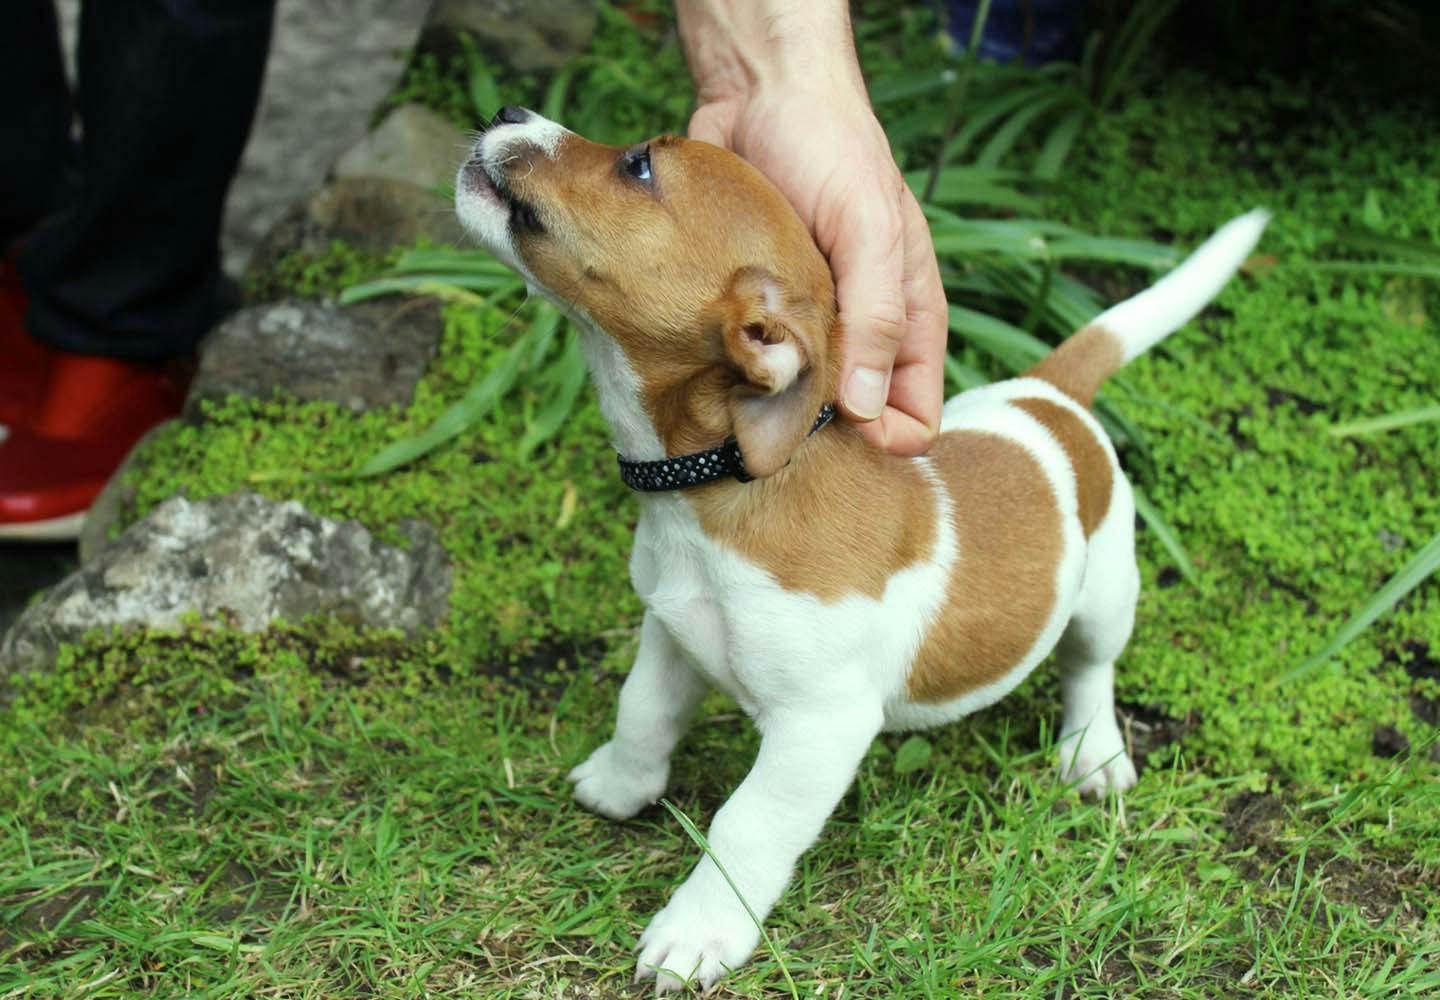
{"x":619,"y":391}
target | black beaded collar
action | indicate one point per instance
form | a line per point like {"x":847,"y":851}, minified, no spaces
{"x":698,"y":467}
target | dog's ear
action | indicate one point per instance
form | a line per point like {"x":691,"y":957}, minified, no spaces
{"x":776,"y":342}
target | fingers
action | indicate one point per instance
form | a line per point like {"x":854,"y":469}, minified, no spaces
{"x":867,"y":256}
{"x":712,"y":123}
{"x":895,"y":322}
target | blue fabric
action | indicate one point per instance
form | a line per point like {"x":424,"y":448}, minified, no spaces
{"x":1056,"y":29}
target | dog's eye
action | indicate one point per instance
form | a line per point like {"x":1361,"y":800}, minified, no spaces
{"x":637,"y":165}
{"x":523,"y":217}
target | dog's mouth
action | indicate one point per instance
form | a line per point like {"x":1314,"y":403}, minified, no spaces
{"x":480,"y":181}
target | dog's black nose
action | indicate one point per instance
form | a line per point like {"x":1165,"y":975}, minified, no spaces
{"x":510,"y":115}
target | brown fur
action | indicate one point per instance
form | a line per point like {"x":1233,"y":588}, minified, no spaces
{"x":709,"y":219}
{"x":1002,"y":589}
{"x":1094,"y":476}
{"x":1080,"y":365}
{"x":850,"y":518}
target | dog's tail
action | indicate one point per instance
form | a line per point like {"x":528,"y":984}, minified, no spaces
{"x":1121,"y":333}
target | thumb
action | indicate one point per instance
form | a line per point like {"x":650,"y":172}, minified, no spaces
{"x":712,"y":123}
{"x":868,"y":260}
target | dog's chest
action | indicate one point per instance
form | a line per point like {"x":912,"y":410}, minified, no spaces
{"x":764,"y":645}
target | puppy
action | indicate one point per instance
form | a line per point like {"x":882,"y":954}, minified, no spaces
{"x":833,"y":591}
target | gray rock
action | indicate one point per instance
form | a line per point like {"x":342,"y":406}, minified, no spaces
{"x":372,"y":214}
{"x":412,"y":144}
{"x":361,"y":356}
{"x":244,"y":560}
{"x":114,"y":501}
{"x":527,"y":35}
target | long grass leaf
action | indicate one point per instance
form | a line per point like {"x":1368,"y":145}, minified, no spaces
{"x":1008,"y":134}
{"x":1423,"y":251}
{"x":969,"y":185}
{"x":1058,"y":144}
{"x":1010,"y":345}
{"x":959,"y":377}
{"x":569,"y":376}
{"x":454,"y":421}
{"x":915,"y":83}
{"x":1167,"y":535}
{"x":698,"y":839}
{"x":1388,"y":422}
{"x":1421,"y":567}
{"x":1403,"y":268}
{"x":426,"y":282}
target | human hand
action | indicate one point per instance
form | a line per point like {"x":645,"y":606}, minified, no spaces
{"x":815,"y":137}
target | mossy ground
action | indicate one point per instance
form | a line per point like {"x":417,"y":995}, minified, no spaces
{"x":318,"y":813}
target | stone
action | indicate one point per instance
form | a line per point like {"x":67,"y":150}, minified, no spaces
{"x":412,"y":144}
{"x":114,"y":502}
{"x":242,"y":560}
{"x":361,"y":356}
{"x":526,"y":35}
{"x":372,"y":214}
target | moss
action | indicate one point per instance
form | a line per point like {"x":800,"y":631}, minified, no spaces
{"x":1290,"y":528}
{"x":311,"y":276}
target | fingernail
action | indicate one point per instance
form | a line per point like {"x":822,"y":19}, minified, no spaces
{"x":865,"y":393}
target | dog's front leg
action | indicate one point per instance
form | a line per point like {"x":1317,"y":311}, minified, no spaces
{"x":657,"y":702}
{"x":806,"y":762}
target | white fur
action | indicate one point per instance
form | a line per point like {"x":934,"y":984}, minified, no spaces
{"x":1144,"y":320}
{"x":822,"y":679}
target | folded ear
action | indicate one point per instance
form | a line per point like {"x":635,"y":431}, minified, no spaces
{"x":776,"y":342}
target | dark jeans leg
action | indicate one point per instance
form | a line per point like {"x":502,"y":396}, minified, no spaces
{"x":130,"y":266}
{"x":35,"y":115}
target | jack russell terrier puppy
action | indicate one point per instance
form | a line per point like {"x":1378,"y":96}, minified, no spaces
{"x":834,"y":591}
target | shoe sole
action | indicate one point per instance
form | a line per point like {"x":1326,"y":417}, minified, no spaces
{"x":56,"y":529}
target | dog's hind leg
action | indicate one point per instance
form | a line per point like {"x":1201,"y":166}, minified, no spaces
{"x":1091,"y":748}
{"x":657,"y":702}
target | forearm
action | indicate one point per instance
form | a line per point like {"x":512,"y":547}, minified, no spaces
{"x":739,"y":46}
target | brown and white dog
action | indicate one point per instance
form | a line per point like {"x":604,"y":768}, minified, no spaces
{"x":843,"y":592}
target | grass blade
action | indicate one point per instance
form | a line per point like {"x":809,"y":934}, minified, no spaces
{"x":1010,"y":345}
{"x":1388,"y":422}
{"x":1168,"y":537}
{"x":1403,"y":268}
{"x":1058,"y":144}
{"x":1415,"y":572}
{"x":568,"y":374}
{"x":693,"y":832}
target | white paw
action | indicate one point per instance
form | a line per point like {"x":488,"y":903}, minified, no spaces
{"x":1095,"y":761}
{"x":616,"y":789}
{"x":702,"y":933}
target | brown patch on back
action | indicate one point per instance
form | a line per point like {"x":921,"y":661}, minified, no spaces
{"x":1080,"y":365}
{"x":1093,"y":475}
{"x":1002,"y":589}
{"x":849,"y":519}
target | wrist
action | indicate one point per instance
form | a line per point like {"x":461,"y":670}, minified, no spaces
{"x":738,"y":48}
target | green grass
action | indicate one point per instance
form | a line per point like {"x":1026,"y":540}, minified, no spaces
{"x":315,"y":813}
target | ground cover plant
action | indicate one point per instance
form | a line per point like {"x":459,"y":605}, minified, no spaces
{"x":319,"y":813}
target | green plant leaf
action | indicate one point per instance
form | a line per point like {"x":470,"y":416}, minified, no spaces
{"x":1058,"y":144}
{"x":484,"y":94}
{"x":1010,"y":345}
{"x":1421,"y":567}
{"x":568,"y":374}
{"x":1167,"y":535}
{"x":912,"y":755}
{"x":698,"y":839}
{"x":1387,"y":422}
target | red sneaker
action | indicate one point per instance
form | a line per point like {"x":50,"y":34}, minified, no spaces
{"x":54,"y":465}
{"x":26,"y":361}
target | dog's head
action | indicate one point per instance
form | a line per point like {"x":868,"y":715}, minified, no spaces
{"x":681,"y":255}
